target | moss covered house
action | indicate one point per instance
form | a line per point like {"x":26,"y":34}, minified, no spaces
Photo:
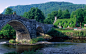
{"x":65,"y":23}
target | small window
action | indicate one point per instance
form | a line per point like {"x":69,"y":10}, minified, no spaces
{"x":59,"y":23}
{"x":70,"y":23}
{"x":68,"y":26}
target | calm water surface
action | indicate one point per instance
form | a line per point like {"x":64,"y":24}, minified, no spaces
{"x":4,"y":48}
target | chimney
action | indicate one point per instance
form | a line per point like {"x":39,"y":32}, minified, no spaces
{"x":14,"y":13}
{"x":55,"y":19}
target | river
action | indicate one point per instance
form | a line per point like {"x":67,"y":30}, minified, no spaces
{"x":57,"y":48}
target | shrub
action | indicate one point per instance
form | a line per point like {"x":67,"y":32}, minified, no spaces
{"x":35,"y":40}
{"x":40,"y":39}
{"x":14,"y":37}
{"x":31,"y":41}
{"x":12,"y":41}
{"x":79,"y":33}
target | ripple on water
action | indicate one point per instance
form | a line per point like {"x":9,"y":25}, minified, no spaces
{"x":3,"y":48}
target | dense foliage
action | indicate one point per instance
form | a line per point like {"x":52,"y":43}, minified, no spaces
{"x":50,"y":18}
{"x":9,"y":11}
{"x":66,"y":14}
{"x":60,"y":15}
{"x":80,"y":15}
{"x":47,"y":7}
{"x":35,"y":13}
{"x":7,"y":32}
{"x":65,"y":22}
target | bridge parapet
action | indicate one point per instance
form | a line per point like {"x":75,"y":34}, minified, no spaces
{"x":1,"y":16}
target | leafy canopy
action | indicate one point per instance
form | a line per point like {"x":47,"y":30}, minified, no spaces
{"x":80,"y":15}
{"x":35,"y":13}
{"x":9,"y":11}
{"x":60,"y":15}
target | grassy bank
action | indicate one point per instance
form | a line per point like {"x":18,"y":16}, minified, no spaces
{"x":64,"y":30}
{"x":54,"y":32}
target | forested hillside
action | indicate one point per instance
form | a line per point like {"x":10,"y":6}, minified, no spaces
{"x":47,"y":8}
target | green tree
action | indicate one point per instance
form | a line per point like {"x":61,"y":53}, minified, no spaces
{"x":8,"y":31}
{"x":54,"y":13}
{"x":35,"y":13}
{"x":84,"y":15}
{"x":84,"y":22}
{"x":66,"y":14}
{"x":73,"y":14}
{"x":51,"y":17}
{"x":49,"y":20}
{"x":80,"y":14}
{"x":9,"y":11}
{"x":59,"y":16}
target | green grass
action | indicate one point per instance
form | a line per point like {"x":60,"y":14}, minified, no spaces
{"x":64,"y":30}
{"x":35,"y":40}
{"x":55,"y":32}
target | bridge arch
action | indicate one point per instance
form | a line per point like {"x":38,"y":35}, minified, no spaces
{"x":39,"y":31}
{"x":22,"y":33}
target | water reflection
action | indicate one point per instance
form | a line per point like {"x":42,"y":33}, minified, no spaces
{"x":22,"y":48}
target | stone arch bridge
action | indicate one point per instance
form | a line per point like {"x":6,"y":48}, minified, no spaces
{"x":25,"y":28}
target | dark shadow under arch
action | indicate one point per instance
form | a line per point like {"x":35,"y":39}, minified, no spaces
{"x":39,"y":31}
